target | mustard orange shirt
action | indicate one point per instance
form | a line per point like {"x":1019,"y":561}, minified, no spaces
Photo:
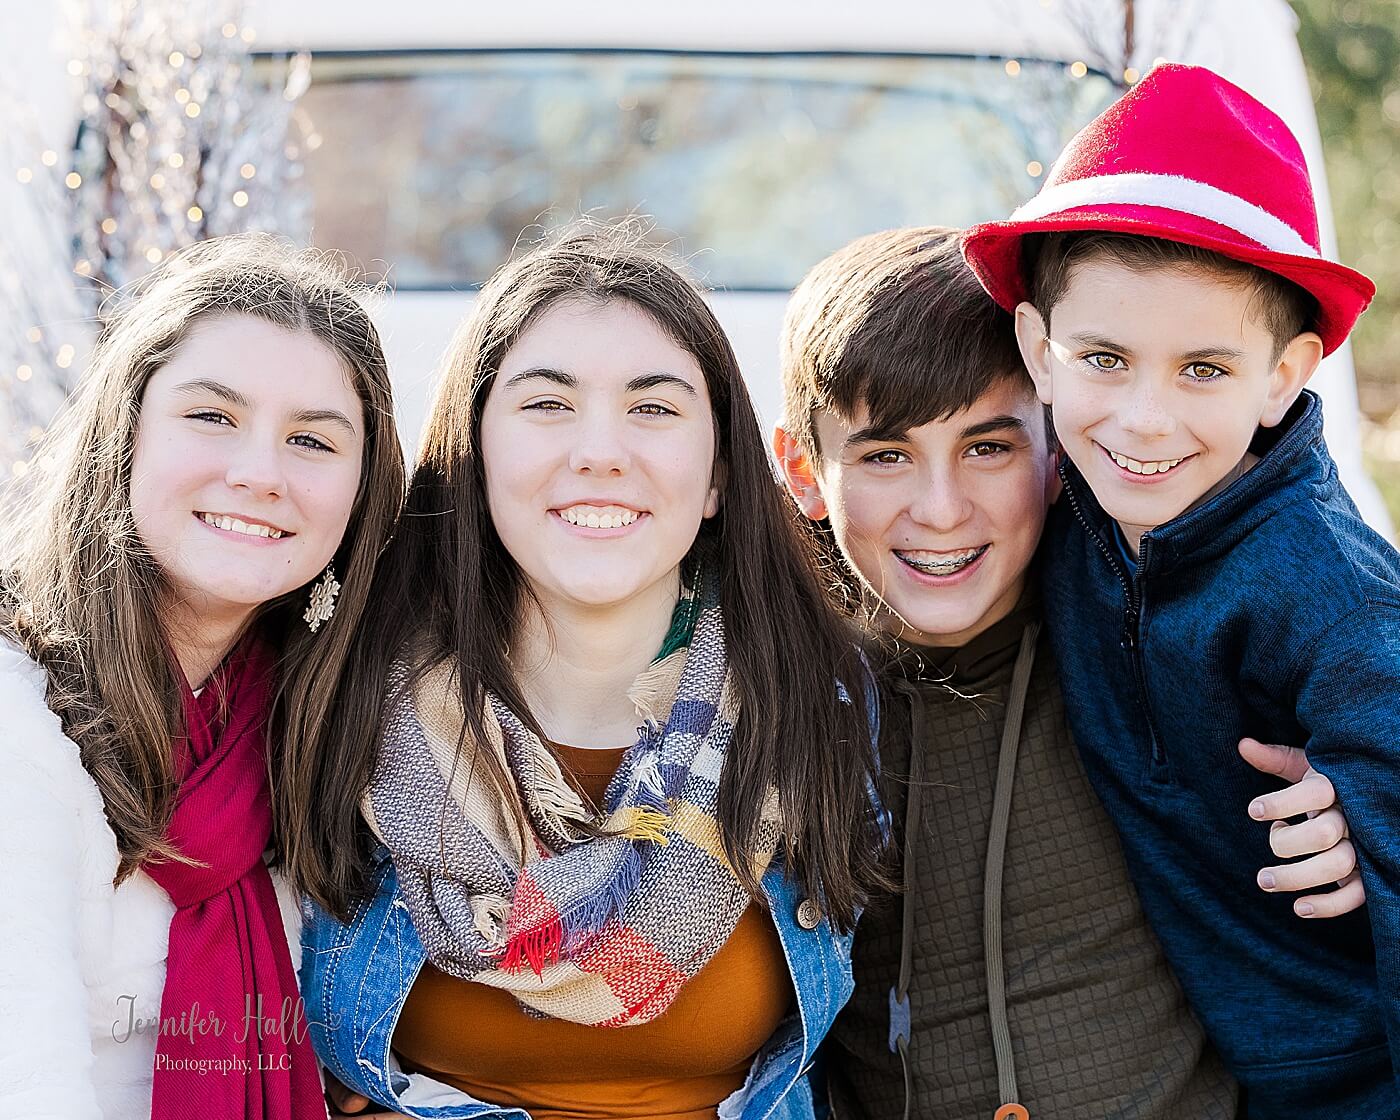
{"x":679,"y":1066}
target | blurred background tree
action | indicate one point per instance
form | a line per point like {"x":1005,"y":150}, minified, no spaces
{"x":1352,"y":52}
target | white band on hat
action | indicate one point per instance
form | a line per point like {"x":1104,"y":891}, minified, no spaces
{"x":1170,"y":192}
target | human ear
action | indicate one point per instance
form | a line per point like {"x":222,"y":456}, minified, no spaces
{"x":798,"y":473}
{"x":1295,"y":365}
{"x":1033,"y":337}
{"x":712,"y":495}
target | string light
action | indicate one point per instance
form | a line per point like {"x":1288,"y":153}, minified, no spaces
{"x":240,"y":198}
{"x":176,"y":58}
{"x":72,"y":180}
{"x":49,"y":158}
{"x":176,"y":160}
{"x":1012,"y":67}
{"x":24,"y":373}
{"x":1034,"y":168}
{"x":194,"y":213}
{"x":64,"y":358}
{"x":24,"y":175}
{"x":20,"y":468}
{"x":75,"y":67}
{"x":1077,"y":70}
{"x":192,"y":110}
{"x":1131,"y":76}
{"x":109,"y":226}
{"x":157,"y":181}
{"x":153,"y":255}
{"x":230,"y":30}
{"x":34,"y":334}
{"x":247,"y":171}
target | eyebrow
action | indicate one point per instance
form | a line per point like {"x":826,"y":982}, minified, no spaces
{"x":544,"y":373}
{"x":874,"y":433}
{"x":1206,"y":353}
{"x":995,"y":426}
{"x":569,"y":381}
{"x":202,"y":385}
{"x":1099,"y":342}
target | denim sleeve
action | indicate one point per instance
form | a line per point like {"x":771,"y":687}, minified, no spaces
{"x":1348,"y":699}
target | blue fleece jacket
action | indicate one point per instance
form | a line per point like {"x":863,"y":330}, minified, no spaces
{"x":1273,"y":611}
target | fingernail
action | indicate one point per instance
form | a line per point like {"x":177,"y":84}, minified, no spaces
{"x":1304,"y":909}
{"x":1266,"y":880}
{"x":1256,"y":810}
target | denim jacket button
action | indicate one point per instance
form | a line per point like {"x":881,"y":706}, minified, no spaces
{"x":809,"y":914}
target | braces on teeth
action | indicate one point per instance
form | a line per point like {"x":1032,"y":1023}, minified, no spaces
{"x":944,"y":566}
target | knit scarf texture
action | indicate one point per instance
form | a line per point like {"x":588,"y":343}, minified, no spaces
{"x":604,"y":930}
{"x":228,"y":956}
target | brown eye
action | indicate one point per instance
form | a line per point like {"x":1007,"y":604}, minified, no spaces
{"x":1203,"y":371}
{"x":1105,"y":361}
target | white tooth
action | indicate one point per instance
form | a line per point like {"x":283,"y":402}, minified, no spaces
{"x":605,"y":521}
{"x":264,"y":531}
{"x":226,"y":523}
{"x":591,"y":521}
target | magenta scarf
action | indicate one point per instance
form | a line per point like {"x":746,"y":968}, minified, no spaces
{"x":216,"y":1056}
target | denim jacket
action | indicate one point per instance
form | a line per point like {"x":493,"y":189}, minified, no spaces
{"x":355,"y":978}
{"x":1270,"y":611}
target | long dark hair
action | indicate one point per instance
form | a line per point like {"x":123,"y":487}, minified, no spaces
{"x":82,"y":595}
{"x":449,"y":590}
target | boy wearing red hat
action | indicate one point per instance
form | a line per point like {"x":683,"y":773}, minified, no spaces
{"x":1206,"y":574}
{"x":913,"y":433}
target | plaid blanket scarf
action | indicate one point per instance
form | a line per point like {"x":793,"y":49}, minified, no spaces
{"x":596,"y":930}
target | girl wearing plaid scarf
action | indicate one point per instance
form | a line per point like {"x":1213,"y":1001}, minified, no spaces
{"x":595,"y":553}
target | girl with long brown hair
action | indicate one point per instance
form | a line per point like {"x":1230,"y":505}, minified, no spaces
{"x":179,"y":600}
{"x":602,"y":853}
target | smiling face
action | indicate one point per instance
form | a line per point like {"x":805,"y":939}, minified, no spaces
{"x":1158,"y":380}
{"x":598,"y":443}
{"x":245,"y":467}
{"x":940,"y":522}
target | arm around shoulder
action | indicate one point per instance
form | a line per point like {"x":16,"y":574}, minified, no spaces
{"x":1347,"y":690}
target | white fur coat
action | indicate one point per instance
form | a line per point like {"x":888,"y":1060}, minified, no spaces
{"x":80,"y":962}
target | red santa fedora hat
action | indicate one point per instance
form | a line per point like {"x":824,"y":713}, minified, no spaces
{"x":1188,"y":157}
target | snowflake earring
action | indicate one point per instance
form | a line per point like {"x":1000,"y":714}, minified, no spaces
{"x":322,"y":604}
